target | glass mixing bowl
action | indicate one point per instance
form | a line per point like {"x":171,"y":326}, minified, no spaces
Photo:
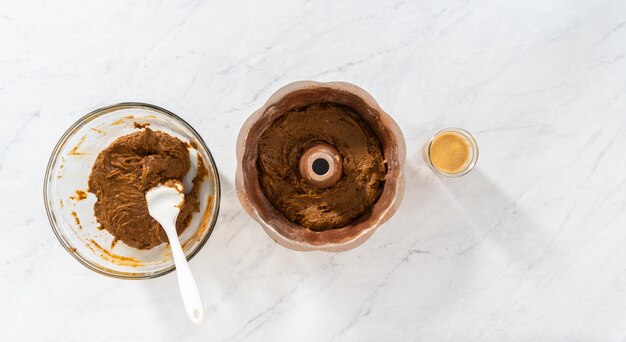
{"x":70,"y":207}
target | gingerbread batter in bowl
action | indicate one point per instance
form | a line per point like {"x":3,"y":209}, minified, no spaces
{"x":129,"y":167}
{"x":94,"y":189}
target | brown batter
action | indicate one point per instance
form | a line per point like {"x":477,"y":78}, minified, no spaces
{"x":358,"y":189}
{"x":125,"y":170}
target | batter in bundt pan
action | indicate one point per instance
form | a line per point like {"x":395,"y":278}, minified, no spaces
{"x":363,"y":168}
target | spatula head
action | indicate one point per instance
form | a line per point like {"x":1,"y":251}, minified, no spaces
{"x":164,"y":201}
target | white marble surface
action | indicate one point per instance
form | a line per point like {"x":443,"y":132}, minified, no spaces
{"x":531,"y":246}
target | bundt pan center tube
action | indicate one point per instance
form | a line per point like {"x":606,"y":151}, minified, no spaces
{"x":320,"y":166}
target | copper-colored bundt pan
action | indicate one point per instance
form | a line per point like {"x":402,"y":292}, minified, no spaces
{"x":277,"y":226}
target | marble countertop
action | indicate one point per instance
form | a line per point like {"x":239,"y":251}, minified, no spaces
{"x":528,"y":246}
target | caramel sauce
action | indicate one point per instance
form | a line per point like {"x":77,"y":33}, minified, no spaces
{"x":450,"y":152}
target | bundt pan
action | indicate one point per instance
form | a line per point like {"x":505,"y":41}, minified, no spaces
{"x":276,"y":225}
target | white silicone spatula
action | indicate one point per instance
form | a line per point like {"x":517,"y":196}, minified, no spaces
{"x":164,"y":206}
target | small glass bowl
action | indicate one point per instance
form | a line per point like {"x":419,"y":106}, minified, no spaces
{"x":71,"y":215}
{"x":473,"y":152}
